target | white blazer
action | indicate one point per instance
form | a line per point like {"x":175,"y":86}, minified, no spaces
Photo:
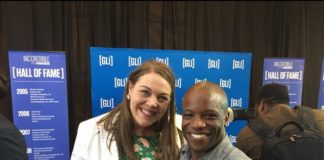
{"x":91,"y":141}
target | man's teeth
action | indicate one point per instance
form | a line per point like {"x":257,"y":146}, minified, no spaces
{"x":198,"y":135}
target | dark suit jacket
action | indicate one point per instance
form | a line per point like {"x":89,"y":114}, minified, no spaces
{"x":12,"y":142}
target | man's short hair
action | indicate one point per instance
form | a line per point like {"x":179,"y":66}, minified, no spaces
{"x":273,"y":93}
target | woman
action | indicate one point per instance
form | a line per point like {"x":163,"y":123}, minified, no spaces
{"x":142,"y":126}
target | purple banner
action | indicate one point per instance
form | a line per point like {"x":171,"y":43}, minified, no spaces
{"x":286,"y":71}
{"x":39,"y":103}
{"x":321,"y":91}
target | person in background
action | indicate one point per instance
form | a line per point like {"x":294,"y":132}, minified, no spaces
{"x":142,"y":126}
{"x":272,"y":107}
{"x":12,"y":142}
{"x":204,"y":119}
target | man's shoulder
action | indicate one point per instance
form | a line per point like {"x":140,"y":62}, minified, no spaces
{"x":314,"y":112}
{"x":248,"y":141}
{"x":245,"y":132}
{"x":5,"y":123}
{"x":225,"y":150}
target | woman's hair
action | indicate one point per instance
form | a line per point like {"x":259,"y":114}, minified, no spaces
{"x":119,"y":122}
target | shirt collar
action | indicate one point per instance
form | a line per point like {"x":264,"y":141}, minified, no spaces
{"x":220,"y":151}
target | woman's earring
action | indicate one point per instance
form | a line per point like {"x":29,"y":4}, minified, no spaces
{"x":128,"y":97}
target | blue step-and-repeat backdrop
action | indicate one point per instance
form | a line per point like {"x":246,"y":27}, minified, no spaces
{"x":110,"y":68}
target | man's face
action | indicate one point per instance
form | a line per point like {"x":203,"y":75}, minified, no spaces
{"x":202,"y":120}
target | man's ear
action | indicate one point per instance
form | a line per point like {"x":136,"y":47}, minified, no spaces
{"x":226,"y":119}
{"x":261,"y":108}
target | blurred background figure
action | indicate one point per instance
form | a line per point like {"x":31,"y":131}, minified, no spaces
{"x":272,"y":108}
{"x":12,"y":142}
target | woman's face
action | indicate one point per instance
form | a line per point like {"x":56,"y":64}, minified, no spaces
{"x":149,"y":99}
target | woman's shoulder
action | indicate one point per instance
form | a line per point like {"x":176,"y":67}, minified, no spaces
{"x":92,"y":122}
{"x":178,"y":121}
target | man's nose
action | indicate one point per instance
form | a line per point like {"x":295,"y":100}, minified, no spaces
{"x":198,"y":123}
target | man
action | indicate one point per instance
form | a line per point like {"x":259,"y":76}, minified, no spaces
{"x":12,"y":143}
{"x":272,"y":107}
{"x":203,"y":124}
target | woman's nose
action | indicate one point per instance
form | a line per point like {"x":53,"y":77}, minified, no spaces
{"x":152,"y":101}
